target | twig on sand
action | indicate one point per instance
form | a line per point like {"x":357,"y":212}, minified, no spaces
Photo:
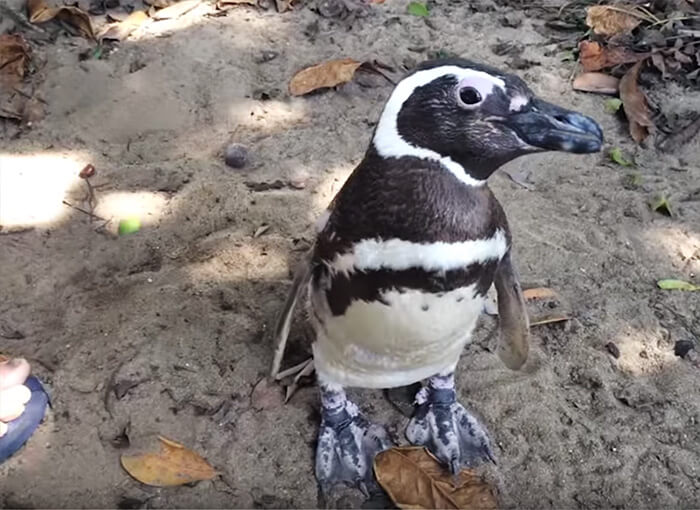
{"x":79,"y":209}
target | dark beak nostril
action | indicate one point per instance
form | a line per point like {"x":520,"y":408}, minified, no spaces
{"x":561,"y":118}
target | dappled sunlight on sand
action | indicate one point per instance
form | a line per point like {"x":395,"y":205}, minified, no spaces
{"x":641,"y":352}
{"x":147,"y":206}
{"x":33,"y":187}
{"x":682,"y":246}
{"x":218,"y":263}
{"x":329,"y":186}
{"x":268,"y":117}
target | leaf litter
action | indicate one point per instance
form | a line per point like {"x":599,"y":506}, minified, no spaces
{"x":635,"y":105}
{"x":597,"y":82}
{"x":122,"y":29}
{"x":40,"y":12}
{"x":622,"y":38}
{"x":413,"y":478}
{"x":325,"y":75}
{"x":333,"y":73}
{"x":172,"y":465}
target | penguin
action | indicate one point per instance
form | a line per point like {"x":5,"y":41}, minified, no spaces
{"x":406,"y":252}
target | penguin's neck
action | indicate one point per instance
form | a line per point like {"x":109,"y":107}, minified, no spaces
{"x":414,"y":199}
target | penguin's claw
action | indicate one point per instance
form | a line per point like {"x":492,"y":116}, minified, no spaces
{"x":347,"y":445}
{"x":448,"y":430}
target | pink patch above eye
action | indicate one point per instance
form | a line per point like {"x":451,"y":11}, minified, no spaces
{"x":480,"y":83}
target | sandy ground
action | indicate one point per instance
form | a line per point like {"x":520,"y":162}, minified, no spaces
{"x":167,"y":330}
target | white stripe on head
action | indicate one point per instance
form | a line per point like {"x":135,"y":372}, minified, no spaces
{"x":398,"y":255}
{"x":518,"y":102}
{"x":388,"y":140}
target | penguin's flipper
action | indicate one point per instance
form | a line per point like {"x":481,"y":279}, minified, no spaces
{"x":284,"y":320}
{"x":513,"y":344}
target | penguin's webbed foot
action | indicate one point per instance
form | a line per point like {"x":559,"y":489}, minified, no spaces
{"x":446,"y":428}
{"x":347,"y":445}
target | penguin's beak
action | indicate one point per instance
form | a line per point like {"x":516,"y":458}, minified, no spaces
{"x":548,"y":127}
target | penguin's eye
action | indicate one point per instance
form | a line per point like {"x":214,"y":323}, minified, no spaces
{"x":469,"y":96}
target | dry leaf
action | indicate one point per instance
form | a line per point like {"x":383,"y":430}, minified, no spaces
{"x":539,"y":293}
{"x":159,"y":4}
{"x":176,"y":10}
{"x":172,"y":465}
{"x":658,"y":60}
{"x":612,"y":19}
{"x":39,"y":12}
{"x":635,"y":104}
{"x":283,"y":5}
{"x":222,"y":4}
{"x":327,"y":74}
{"x":595,"y":57}
{"x":597,"y":82}
{"x":122,"y":30}
{"x":261,"y":230}
{"x":549,"y":319}
{"x":414,"y":479}
{"x":14,"y":55}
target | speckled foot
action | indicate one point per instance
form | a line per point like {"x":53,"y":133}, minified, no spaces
{"x":347,"y":443}
{"x":446,"y":428}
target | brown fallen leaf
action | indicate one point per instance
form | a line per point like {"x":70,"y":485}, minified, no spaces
{"x":597,"y":82}
{"x":658,"y":60}
{"x":121,"y":30}
{"x":284,"y":5}
{"x":39,"y":12}
{"x":175,"y":10}
{"x":539,"y":293}
{"x":549,"y":319}
{"x":327,"y":74}
{"x":635,"y":104}
{"x":415,"y":479}
{"x":159,"y":4}
{"x":613,"y":19}
{"x":595,"y":57}
{"x":222,"y":4}
{"x":172,"y":465}
{"x":14,"y":56}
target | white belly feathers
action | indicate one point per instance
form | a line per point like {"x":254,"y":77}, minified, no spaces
{"x":408,"y":334}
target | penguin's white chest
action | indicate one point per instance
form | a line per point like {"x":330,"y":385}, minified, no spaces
{"x":406,"y":336}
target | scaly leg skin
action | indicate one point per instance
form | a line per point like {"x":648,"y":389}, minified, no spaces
{"x":441,"y":424}
{"x":347,"y":442}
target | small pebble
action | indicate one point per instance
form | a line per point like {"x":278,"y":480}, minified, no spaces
{"x":266,"y":56}
{"x":236,"y":155}
{"x":682,"y":348}
{"x":613,"y":349}
{"x":299,"y":179}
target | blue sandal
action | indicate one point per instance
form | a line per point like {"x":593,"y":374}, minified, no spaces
{"x":22,"y":428}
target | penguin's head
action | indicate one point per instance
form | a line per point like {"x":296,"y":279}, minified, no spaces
{"x":476,"y":117}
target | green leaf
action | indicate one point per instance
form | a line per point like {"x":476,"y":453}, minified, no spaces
{"x":617,"y":156}
{"x":661,"y":205}
{"x":671,"y":284}
{"x":568,"y":56}
{"x":613,"y":105}
{"x":97,"y":52}
{"x":129,"y":225}
{"x":418,"y":9}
